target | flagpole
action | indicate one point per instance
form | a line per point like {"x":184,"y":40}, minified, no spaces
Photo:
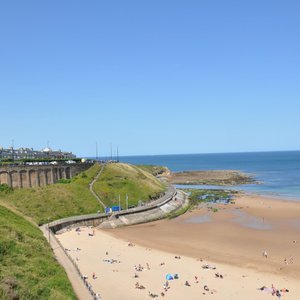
{"x":119,"y":202}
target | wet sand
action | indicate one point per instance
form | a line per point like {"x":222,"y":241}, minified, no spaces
{"x":236,"y":234}
{"x":232,"y":239}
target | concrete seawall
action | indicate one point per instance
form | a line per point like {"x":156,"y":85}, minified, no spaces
{"x":170,"y":202}
{"x":156,"y":212}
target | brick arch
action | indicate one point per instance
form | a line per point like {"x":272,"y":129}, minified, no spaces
{"x":48,"y":176}
{"x":60,"y":173}
{"x":23,"y":179}
{"x":4,"y":178}
{"x":68,"y":172}
{"x":42,"y":177}
{"x":55,"y":172}
{"x":14,"y":175}
{"x":33,"y":177}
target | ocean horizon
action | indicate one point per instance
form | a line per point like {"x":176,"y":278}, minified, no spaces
{"x":277,"y":171}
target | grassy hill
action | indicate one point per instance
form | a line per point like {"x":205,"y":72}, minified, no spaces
{"x":72,"y":197}
{"x":28,"y":269}
{"x":121,"y":179}
{"x":154,"y":170}
{"x":56,"y":201}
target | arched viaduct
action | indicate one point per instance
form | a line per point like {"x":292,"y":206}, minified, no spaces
{"x":24,"y":176}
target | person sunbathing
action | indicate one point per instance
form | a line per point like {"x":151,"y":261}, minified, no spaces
{"x":141,"y":287}
{"x":219,"y":275}
{"x":206,"y":266}
{"x":278,"y":294}
{"x":187,"y":283}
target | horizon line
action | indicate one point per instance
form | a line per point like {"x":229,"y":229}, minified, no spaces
{"x":194,"y":153}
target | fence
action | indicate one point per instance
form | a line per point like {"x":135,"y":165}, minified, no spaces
{"x":95,"y":296}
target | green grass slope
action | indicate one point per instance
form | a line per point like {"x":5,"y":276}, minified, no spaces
{"x":28,"y":269}
{"x":121,"y":179}
{"x":154,"y":170}
{"x":56,"y":201}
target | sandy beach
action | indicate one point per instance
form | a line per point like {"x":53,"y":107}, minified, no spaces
{"x":221,"y":253}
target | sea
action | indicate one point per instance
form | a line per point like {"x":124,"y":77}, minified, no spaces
{"x":278,"y":173}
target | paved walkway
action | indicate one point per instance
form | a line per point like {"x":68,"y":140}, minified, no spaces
{"x":77,"y":284}
{"x":92,"y":189}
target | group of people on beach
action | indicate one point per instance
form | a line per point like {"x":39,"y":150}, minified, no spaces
{"x":274,"y":291}
{"x":166,"y":285}
{"x":204,"y":286}
{"x":140,"y":268}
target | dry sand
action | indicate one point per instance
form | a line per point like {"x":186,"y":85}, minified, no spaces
{"x":231,"y":239}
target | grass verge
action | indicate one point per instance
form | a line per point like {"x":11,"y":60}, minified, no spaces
{"x":56,"y":201}
{"x":124,"y":179}
{"x":28,"y":267}
{"x":154,"y":170}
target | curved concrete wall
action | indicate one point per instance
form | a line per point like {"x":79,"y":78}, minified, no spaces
{"x":170,"y":202}
{"x":31,"y":176}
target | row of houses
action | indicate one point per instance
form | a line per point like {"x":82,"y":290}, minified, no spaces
{"x":30,"y":153}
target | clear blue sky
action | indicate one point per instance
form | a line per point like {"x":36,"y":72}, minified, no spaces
{"x":153,"y":77}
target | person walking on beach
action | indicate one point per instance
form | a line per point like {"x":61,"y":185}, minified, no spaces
{"x":265,"y":254}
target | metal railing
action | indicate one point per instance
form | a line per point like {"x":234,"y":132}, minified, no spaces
{"x":94,"y":295}
{"x":65,"y":222}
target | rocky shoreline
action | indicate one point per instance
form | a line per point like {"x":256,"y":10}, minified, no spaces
{"x":211,"y":177}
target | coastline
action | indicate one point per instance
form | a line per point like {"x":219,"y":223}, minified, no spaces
{"x":211,"y":177}
{"x":237,"y":234}
{"x":234,"y":247}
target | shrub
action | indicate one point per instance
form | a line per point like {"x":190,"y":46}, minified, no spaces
{"x":65,"y":181}
{"x":4,"y":188}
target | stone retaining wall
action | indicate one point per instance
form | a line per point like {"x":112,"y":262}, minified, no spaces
{"x":26,"y":176}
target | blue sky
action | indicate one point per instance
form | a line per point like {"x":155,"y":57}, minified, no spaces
{"x":151,"y":77}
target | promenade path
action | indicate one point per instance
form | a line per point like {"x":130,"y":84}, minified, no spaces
{"x":78,"y":285}
{"x":91,"y":185}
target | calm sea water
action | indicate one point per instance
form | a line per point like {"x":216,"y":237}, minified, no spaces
{"x":279,"y":172}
